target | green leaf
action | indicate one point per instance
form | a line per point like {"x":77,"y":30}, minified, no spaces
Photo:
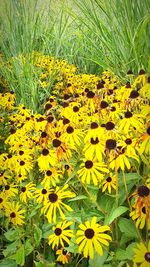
{"x":20,"y":256}
{"x":39,"y":264}
{"x":121,"y":255}
{"x":8,"y":263}
{"x":127,"y":254}
{"x":12,"y":235}
{"x":37,"y":235}
{"x":28,"y":247}
{"x":10,"y":249}
{"x":78,"y":198}
{"x":44,"y":264}
{"x":130,"y":251}
{"x":115,"y":214}
{"x":98,"y":261}
{"x":127,"y":227}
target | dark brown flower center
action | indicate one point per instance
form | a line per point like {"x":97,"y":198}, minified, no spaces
{"x":7,"y":187}
{"x":70,"y":130}
{"x":128,"y":141}
{"x":1,"y":200}
{"x":45,"y":152}
{"x":64,"y":252}
{"x":50,"y":119}
{"x":134,"y":94}
{"x":128,"y":85}
{"x":44,"y":191}
{"x":89,"y":233}
{"x":112,"y":109}
{"x":94,"y":142}
{"x":12,"y":215}
{"x":94,"y":125}
{"x":109,"y":179}
{"x":111,"y":144}
{"x":129,"y":72}
{"x":53,"y":197}
{"x":103,"y":104}
{"x":144,"y":210}
{"x":65,"y":121}
{"x":12,"y":130}
{"x":58,"y":231}
{"x":109,"y":126}
{"x":90,"y":94}
{"x":43,"y":134}
{"x":88,"y":164}
{"x":22,"y":163}
{"x":48,"y":106}
{"x":141,"y":72}
{"x":23,"y":189}
{"x":143,"y":191}
{"x":66,"y":96}
{"x":66,"y":167}
{"x":56,"y":143}
{"x":148,"y":130}
{"x":147,"y":256}
{"x":128,"y":114}
{"x":21,"y":152}
{"x":100,"y":85}
{"x":75,"y":109}
{"x":48,"y":173}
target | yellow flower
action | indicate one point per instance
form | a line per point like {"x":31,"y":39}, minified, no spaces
{"x":15,"y":213}
{"x":90,"y":237}
{"x":142,"y":255}
{"x":92,"y":170}
{"x":52,"y":177}
{"x":54,"y":203}
{"x":61,"y":235}
{"x":27,"y":192}
{"x":109,"y":183}
{"x":11,"y":190}
{"x":94,"y":148}
{"x":72,"y":136}
{"x":41,"y":194}
{"x":47,"y":159}
{"x":131,"y":121}
{"x":63,"y":255}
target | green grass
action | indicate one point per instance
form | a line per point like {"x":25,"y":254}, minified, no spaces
{"x":92,"y":34}
{"x":117,"y":31}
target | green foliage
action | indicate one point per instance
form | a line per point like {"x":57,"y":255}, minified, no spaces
{"x":115,"y":213}
{"x":118,"y":32}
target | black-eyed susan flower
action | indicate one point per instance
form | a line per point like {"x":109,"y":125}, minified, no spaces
{"x":72,"y":136}
{"x":90,"y":237}
{"x":54,"y":204}
{"x":41,"y":194}
{"x":94,"y":148}
{"x":14,"y":213}
{"x":63,"y":255}
{"x":142,"y":255}
{"x":47,"y":159}
{"x":91,"y":170}
{"x":145,"y":142}
{"x":3,"y":200}
{"x":51,"y":177}
{"x":109,"y":183}
{"x":61,"y":234}
{"x":94,"y":131}
{"x":26,"y":192}
{"x":141,"y":216}
{"x":11,"y":190}
{"x":23,"y":167}
{"x":131,"y":121}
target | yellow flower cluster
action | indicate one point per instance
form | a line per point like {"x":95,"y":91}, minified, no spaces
{"x":93,"y":128}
